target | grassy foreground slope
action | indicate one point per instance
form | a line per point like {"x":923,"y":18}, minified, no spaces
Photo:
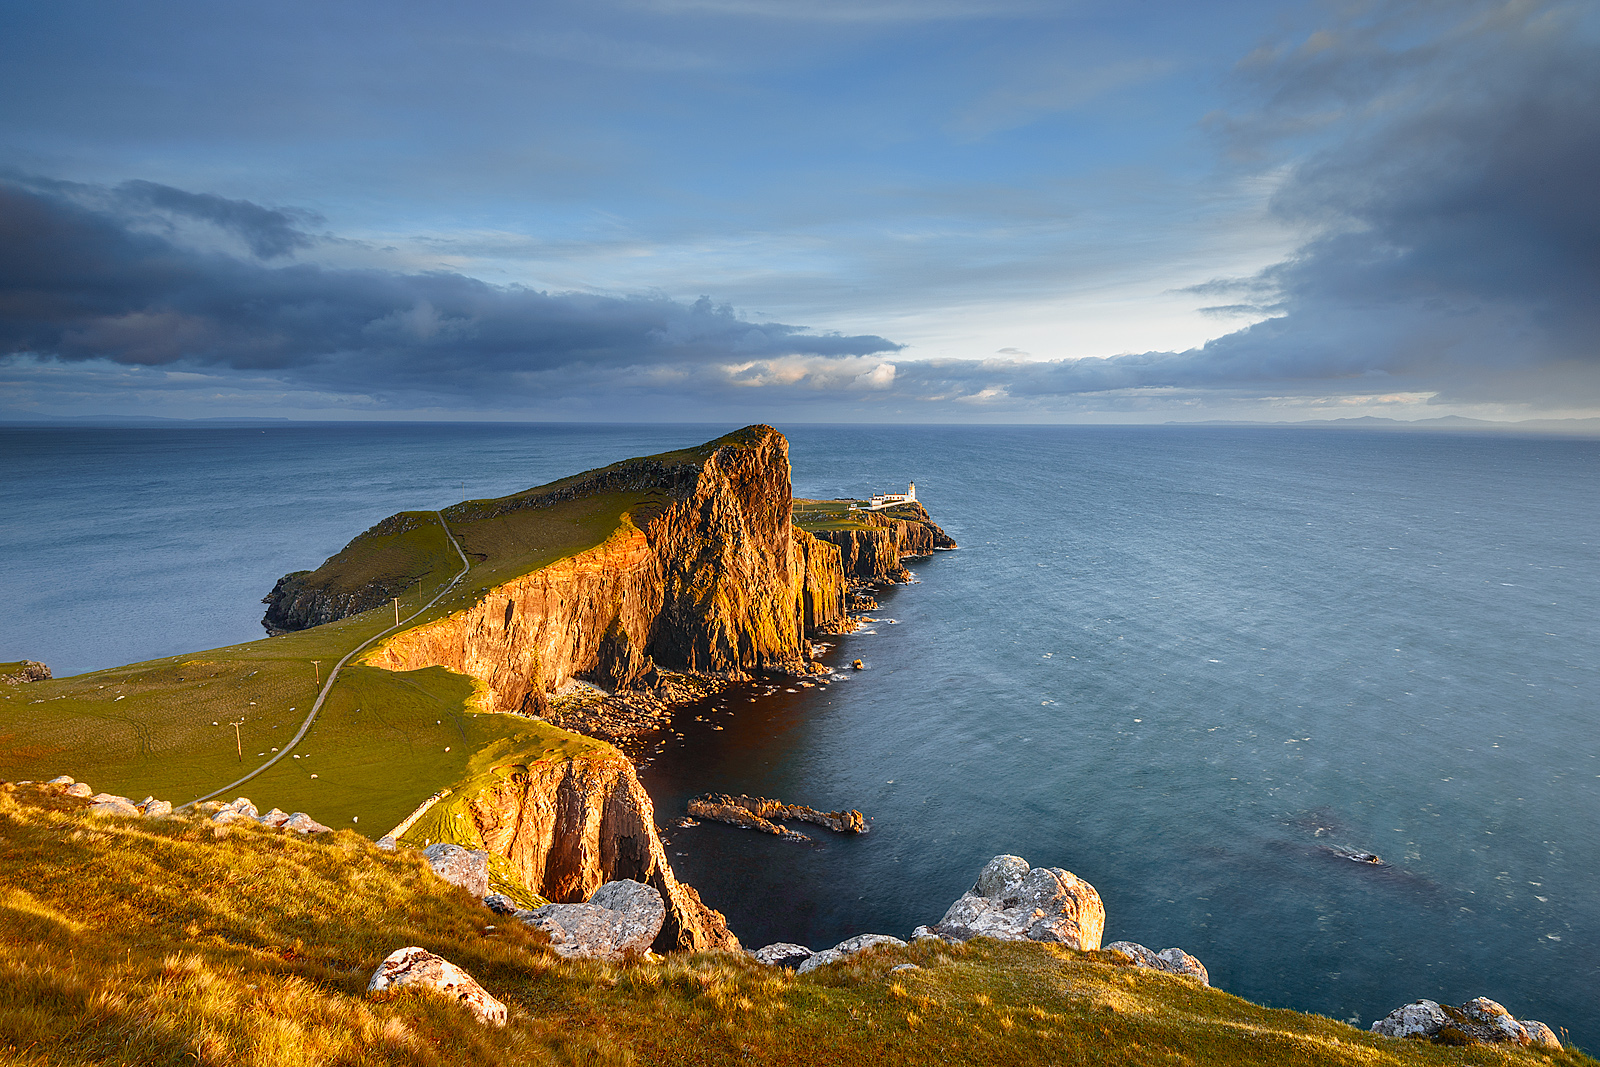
{"x":180,"y":942}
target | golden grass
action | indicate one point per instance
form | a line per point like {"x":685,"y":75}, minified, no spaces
{"x":182,"y":942}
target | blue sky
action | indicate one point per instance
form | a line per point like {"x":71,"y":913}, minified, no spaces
{"x":925,"y":211}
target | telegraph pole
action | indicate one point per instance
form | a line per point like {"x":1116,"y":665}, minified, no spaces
{"x":316,"y":665}
{"x":397,"y":611}
{"x":237,"y":743}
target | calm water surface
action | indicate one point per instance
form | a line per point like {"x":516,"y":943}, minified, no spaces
{"x":1189,"y":665}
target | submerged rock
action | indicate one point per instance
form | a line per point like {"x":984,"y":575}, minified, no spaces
{"x":1012,"y":902}
{"x":622,"y":918}
{"x":417,"y":968}
{"x":845,"y":949}
{"x":1170,"y":960}
{"x":468,"y":869}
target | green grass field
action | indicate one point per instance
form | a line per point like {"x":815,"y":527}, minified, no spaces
{"x":167,"y":942}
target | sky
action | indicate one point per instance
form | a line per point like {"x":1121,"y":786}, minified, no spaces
{"x":801,"y":210}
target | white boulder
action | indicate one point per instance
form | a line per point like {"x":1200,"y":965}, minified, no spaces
{"x":845,"y":949}
{"x":1013,"y":902}
{"x":467,"y":868}
{"x":1170,"y":960}
{"x":417,"y":968}
{"x":782,"y":954}
{"x":622,"y":918}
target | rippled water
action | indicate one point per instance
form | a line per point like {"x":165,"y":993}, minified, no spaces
{"x":1188,"y":664}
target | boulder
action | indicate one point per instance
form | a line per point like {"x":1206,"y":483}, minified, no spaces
{"x":1479,"y":1021}
{"x":782,"y":954}
{"x":62,"y":779}
{"x":79,"y":789}
{"x":274,"y":818}
{"x":243,"y":807}
{"x":386,"y":842}
{"x":417,"y":968}
{"x":500,"y":904}
{"x":466,"y":868}
{"x":114,"y":806}
{"x":156,"y":809}
{"x":622,"y":918}
{"x":300,"y":822}
{"x":1169,"y":960}
{"x":1420,"y":1018}
{"x":229,"y":815}
{"x":1012,"y":902}
{"x":845,"y":949}
{"x":110,"y":798}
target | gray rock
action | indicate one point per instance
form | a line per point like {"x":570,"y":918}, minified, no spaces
{"x":904,"y":967}
{"x":417,"y":968}
{"x":156,"y":809}
{"x":110,"y":798}
{"x":925,"y":933}
{"x":229,"y":815}
{"x":386,"y":842}
{"x":1541,"y":1035}
{"x":782,"y":954}
{"x":500,"y":904}
{"x":466,"y":868}
{"x":62,"y":779}
{"x":243,"y":807}
{"x":621,"y":919}
{"x":302,"y":823}
{"x":846,"y":949}
{"x":1170,"y":960}
{"x":1420,"y":1018}
{"x":274,"y":818}
{"x":114,"y":806}
{"x":1042,"y":904}
{"x":79,"y":789}
{"x":1486,"y":1021}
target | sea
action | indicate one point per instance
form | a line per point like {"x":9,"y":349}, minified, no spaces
{"x":1205,"y":669}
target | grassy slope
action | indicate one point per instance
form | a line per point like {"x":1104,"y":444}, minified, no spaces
{"x":378,"y":747}
{"x":175,"y":942}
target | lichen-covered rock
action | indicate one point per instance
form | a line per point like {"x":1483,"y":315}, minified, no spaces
{"x":500,"y":904}
{"x":418,"y":969}
{"x":302,"y":823}
{"x":79,"y":789}
{"x":1420,"y":1018}
{"x":62,"y":779}
{"x":782,"y":954}
{"x":845,"y":949}
{"x":113,"y":806}
{"x":466,"y":868}
{"x":1170,"y":960}
{"x":621,"y":919}
{"x":156,"y":809}
{"x":1541,"y":1035}
{"x":242,"y":806}
{"x":274,"y":818}
{"x":1012,"y":902}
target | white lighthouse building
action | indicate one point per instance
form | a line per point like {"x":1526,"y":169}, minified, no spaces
{"x":889,"y":500}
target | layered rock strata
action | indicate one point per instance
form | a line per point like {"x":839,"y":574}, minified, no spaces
{"x":876,"y":554}
{"x":716,"y":580}
{"x":24,"y":671}
{"x":759,"y":813}
{"x":570,"y":826}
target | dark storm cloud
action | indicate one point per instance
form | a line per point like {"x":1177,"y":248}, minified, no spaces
{"x":83,"y":278}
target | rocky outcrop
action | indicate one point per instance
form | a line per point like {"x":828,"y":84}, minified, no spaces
{"x":874,"y":552}
{"x":467,"y":868}
{"x":1168,"y":960}
{"x":569,"y":826}
{"x":418,"y":969}
{"x":1012,"y":902}
{"x":342,"y":586}
{"x":782,"y":954}
{"x":23,"y":671}
{"x":622,"y":919}
{"x":714,"y":579}
{"x":759,"y":813}
{"x":1479,"y":1021}
{"x":846,"y":949}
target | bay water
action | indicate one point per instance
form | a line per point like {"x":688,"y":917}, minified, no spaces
{"x":1199,"y":667}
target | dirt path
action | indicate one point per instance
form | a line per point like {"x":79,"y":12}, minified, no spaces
{"x":327,"y":686}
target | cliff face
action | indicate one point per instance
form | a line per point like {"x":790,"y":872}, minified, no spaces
{"x":875,"y":554}
{"x":714,"y":579}
{"x":570,"y":826}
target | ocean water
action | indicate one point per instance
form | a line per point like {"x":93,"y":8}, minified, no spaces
{"x":1191,"y":665}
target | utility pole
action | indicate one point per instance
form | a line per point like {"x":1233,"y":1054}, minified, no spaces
{"x":237,"y":743}
{"x":397,"y":611}
{"x":316,"y":665}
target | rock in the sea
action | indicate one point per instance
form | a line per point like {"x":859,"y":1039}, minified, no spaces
{"x":622,"y":918}
{"x":782,"y":954}
{"x":1479,"y":1021}
{"x":417,"y":968}
{"x":467,"y":868}
{"x":845,"y":949}
{"x":739,"y":810}
{"x":1170,"y":960}
{"x":1012,"y":902}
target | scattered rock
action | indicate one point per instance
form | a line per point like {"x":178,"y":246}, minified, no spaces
{"x":64,"y":779}
{"x":113,"y":806}
{"x":79,"y":789}
{"x":1012,"y":902}
{"x":926,"y":933}
{"x":28,"y":670}
{"x":845,"y":949}
{"x":500,"y":904}
{"x":300,"y":822}
{"x":782,"y":954}
{"x":386,"y":842}
{"x":622,"y":918}
{"x":1170,"y":960}
{"x":229,"y":815}
{"x":156,"y":809}
{"x":242,"y":806}
{"x":417,"y":968}
{"x":466,"y":868}
{"x":1479,"y":1021}
{"x":274,"y":818}
{"x":904,"y":967}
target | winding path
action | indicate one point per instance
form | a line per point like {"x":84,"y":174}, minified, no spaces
{"x":327,"y":687}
